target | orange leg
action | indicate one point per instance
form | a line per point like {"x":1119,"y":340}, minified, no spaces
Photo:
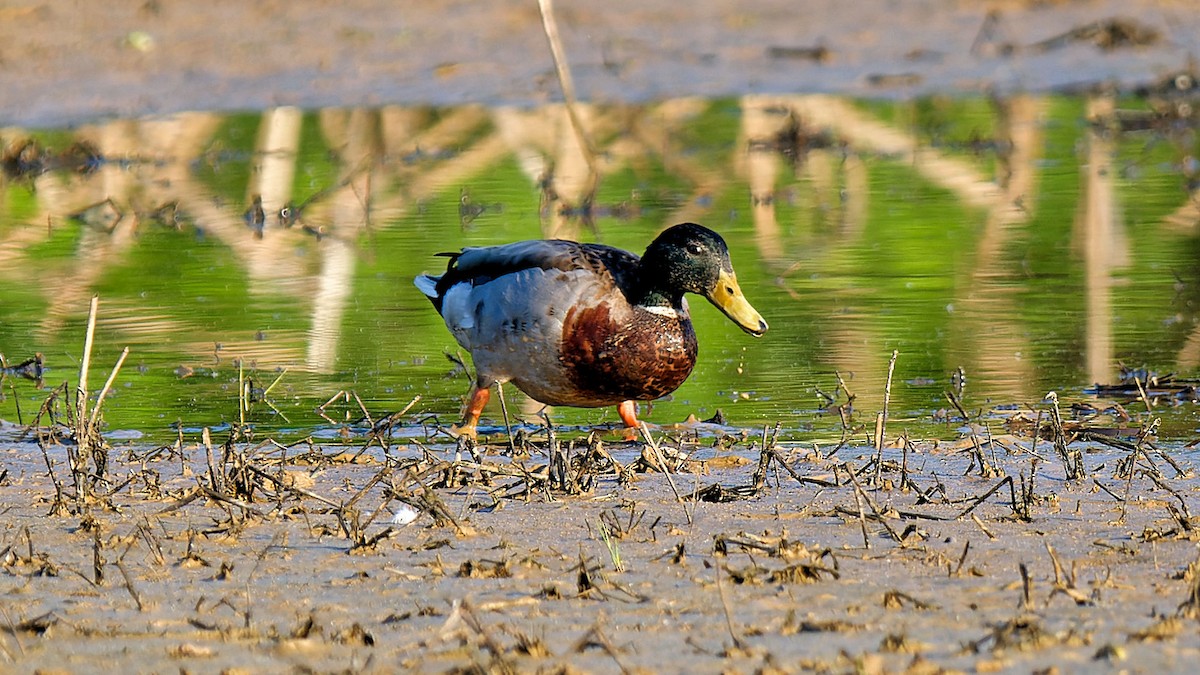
{"x":479,"y":399}
{"x":628,"y":412}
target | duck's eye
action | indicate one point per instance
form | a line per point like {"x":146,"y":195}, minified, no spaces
{"x":694,"y":248}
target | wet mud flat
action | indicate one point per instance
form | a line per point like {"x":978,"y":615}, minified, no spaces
{"x":748,"y":556}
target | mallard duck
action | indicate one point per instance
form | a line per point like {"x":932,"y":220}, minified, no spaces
{"x":585,"y":325}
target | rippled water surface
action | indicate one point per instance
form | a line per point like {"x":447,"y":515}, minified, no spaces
{"x":1003,"y":248}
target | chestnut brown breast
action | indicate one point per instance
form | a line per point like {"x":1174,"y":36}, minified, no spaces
{"x":614,"y":355}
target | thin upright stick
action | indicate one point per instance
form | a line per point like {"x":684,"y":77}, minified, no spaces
{"x":887,"y":390}
{"x":662,"y":463}
{"x":881,"y":422}
{"x":862,"y":514}
{"x":1142,"y":394}
{"x":82,"y":390}
{"x":357,"y":399}
{"x":242,"y":402}
{"x":277,"y":379}
{"x":737,"y":641}
{"x":842,"y":384}
{"x":512,"y":448}
{"x":107,"y":385}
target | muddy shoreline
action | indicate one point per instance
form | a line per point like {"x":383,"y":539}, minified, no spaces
{"x":63,"y":62}
{"x":942,"y":562}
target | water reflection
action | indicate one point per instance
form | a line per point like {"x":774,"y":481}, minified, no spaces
{"x":1033,"y":242}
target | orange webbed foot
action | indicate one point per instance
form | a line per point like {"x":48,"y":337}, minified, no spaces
{"x":628,"y":412}
{"x":477,"y":400}
{"x":464,"y":429}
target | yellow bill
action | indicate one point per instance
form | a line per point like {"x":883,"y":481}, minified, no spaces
{"x":728,"y":298}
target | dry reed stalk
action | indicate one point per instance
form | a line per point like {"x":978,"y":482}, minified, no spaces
{"x":88,"y":442}
{"x":1026,"y":587}
{"x":81,"y":392}
{"x":984,"y":497}
{"x":243,"y":399}
{"x":1072,"y":460}
{"x":842,"y":384}
{"x":874,"y":509}
{"x":77,"y":456}
{"x":962,"y":559}
{"x":737,"y":640}
{"x":112,"y":376}
{"x":133,"y":592}
{"x":881,"y":420}
{"x":862,"y":514}
{"x":1142,"y":394}
{"x":957,"y":404}
{"x":658,"y":457}
{"x":512,"y":448}
{"x":759,"y":478}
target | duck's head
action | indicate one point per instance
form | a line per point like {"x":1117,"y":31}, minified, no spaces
{"x":690,"y":258}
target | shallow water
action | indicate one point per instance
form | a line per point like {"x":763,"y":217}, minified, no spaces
{"x":1036,"y":243}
